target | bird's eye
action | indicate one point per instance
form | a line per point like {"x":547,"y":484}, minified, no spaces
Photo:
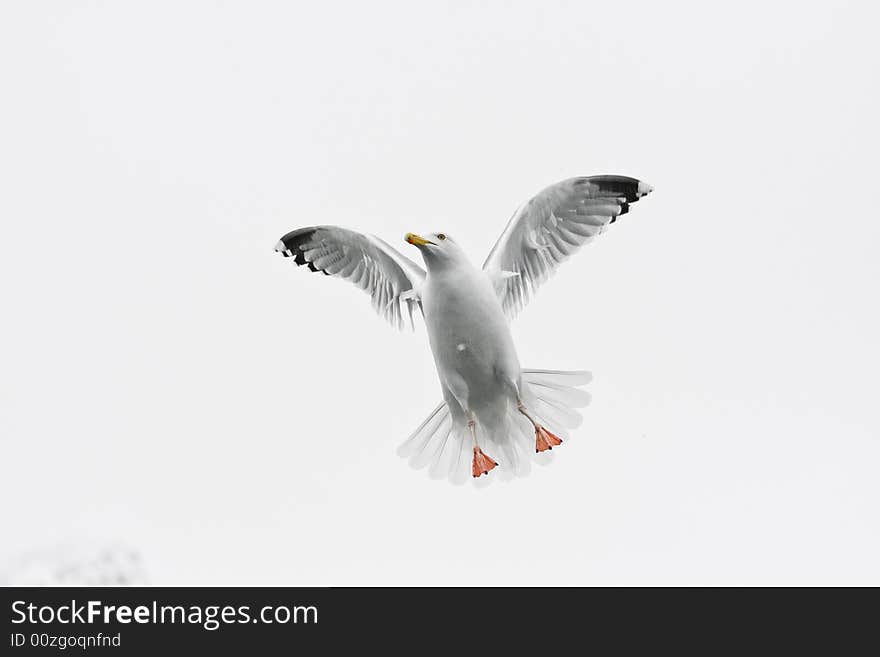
{"x":441,"y":236}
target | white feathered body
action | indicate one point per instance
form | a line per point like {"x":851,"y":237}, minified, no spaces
{"x":481,"y":377}
{"x":473,"y":349}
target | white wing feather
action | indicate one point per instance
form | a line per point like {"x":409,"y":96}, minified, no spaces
{"x":391,"y":279}
{"x":552,"y":226}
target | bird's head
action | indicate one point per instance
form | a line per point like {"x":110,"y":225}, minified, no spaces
{"x":438,"y":249}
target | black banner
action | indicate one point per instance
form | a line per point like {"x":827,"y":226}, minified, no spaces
{"x":142,"y":620}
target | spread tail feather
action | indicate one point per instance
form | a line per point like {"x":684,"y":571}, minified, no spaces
{"x":447,"y":451}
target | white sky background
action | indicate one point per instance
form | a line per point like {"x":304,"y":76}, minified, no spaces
{"x":169,"y":382}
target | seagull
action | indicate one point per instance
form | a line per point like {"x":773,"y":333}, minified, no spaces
{"x":493,"y":410}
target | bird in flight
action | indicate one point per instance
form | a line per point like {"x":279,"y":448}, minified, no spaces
{"x":494,"y":413}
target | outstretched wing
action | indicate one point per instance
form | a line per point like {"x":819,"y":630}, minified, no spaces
{"x":550,"y":227}
{"x":392,"y":280}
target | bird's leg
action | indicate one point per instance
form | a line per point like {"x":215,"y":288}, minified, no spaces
{"x":544,"y":440}
{"x":482,"y":463}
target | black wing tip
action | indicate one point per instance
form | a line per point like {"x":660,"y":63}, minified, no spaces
{"x":311,"y":265}
{"x":290,"y":246}
{"x":632,"y":189}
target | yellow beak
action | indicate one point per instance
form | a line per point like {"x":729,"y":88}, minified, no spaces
{"x":415,"y":240}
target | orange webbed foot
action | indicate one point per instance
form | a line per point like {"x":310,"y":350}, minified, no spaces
{"x":482,"y":463}
{"x":545,"y":440}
